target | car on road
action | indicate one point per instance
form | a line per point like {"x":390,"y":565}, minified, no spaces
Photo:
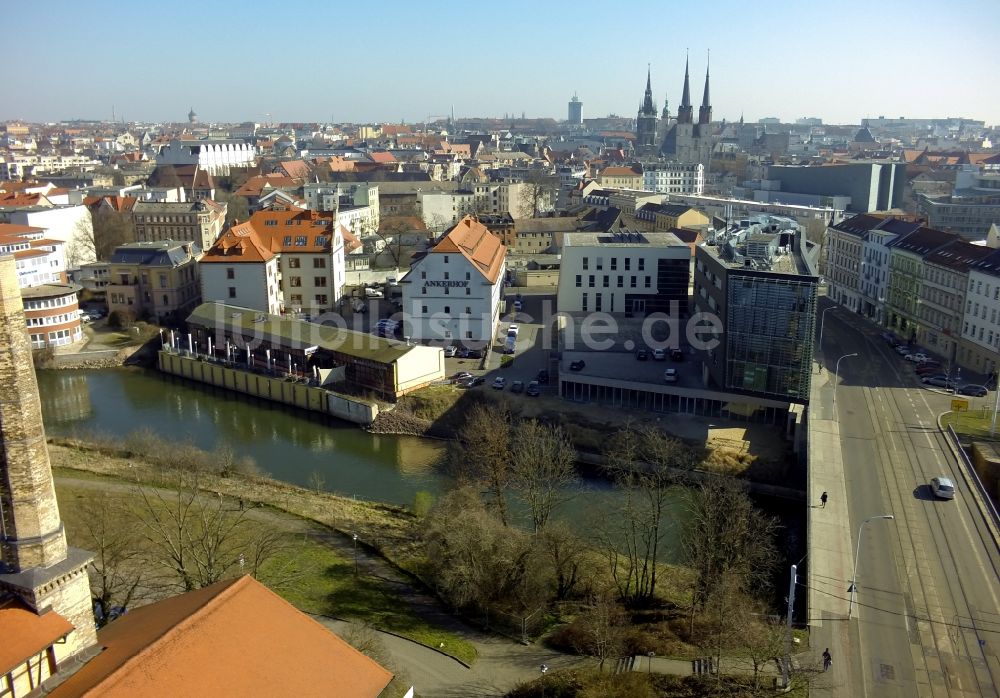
{"x":917,"y":358}
{"x":543,"y":377}
{"x":641,"y":355}
{"x":659,"y":355}
{"x":499,"y":382}
{"x":450,"y":351}
{"x":973,"y":390}
{"x":670,"y":375}
{"x":517,"y":387}
{"x":518,"y":305}
{"x":903,"y":350}
{"x":676,"y":355}
{"x":577,"y":365}
{"x":478,"y":380}
{"x":373,"y":293}
{"x":943,"y":487}
{"x":533,"y":389}
{"x":462,"y":376}
{"x":938,"y":381}
{"x":929,"y":365}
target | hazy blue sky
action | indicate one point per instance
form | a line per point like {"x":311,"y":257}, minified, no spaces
{"x":385,"y":61}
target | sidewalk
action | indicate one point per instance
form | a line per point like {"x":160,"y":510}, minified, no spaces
{"x":830,"y":561}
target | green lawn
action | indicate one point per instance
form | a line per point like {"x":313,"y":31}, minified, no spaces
{"x":324,"y":583}
{"x":975,"y":423}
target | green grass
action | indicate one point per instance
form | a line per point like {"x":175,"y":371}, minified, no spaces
{"x":327,"y":585}
{"x":975,"y":423}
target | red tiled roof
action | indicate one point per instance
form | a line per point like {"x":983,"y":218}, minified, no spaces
{"x":476,"y":243}
{"x":233,"y":638}
{"x":255,"y":185}
{"x":239,"y":244}
{"x":26,"y":633}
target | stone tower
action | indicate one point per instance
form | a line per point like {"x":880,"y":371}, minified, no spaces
{"x":35,"y":563}
{"x":645,"y":121}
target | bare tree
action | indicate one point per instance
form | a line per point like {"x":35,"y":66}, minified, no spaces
{"x":110,"y":229}
{"x":566,"y":557}
{"x":540,"y":187}
{"x":601,"y":627}
{"x":485,"y":452}
{"x":542,"y":469}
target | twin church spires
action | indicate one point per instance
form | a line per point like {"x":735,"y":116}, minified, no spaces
{"x":685,"y":113}
{"x":684,"y":140}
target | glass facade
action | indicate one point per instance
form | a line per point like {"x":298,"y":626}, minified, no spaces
{"x":770,"y":325}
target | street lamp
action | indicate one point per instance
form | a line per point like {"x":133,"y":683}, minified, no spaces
{"x":649,"y":666}
{"x":836,"y":379}
{"x":355,"y":536}
{"x":822,"y":322}
{"x":857,"y":553}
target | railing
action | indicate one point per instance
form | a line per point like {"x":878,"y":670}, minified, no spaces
{"x":256,"y":366}
{"x":991,"y":507}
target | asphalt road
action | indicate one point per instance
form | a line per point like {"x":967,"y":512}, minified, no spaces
{"x":927,"y":616}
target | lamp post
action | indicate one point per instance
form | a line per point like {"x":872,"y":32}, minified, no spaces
{"x":857,"y":553}
{"x":649,"y":665}
{"x":836,"y":378}
{"x":822,"y":323}
{"x":355,"y":536}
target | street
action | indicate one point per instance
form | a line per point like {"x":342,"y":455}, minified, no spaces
{"x":926,"y":621}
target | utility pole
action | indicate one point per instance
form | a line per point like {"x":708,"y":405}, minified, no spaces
{"x":786,"y":666}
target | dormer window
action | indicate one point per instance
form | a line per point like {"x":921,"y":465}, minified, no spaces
{"x":321,"y":240}
{"x":301,"y":240}
{"x":287,"y":241}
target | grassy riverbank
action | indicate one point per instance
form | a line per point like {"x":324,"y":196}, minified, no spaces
{"x":317,"y":528}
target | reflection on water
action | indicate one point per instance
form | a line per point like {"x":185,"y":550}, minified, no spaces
{"x":287,"y":443}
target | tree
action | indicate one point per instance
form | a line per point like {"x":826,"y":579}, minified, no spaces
{"x":566,"y":556}
{"x":237,"y":208}
{"x":601,"y":630}
{"x":485,"y":441}
{"x":193,"y":539}
{"x":111,"y":229}
{"x":542,"y":468}
{"x":536,"y":195}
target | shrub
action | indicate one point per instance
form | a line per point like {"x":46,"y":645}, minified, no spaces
{"x":121,"y":319}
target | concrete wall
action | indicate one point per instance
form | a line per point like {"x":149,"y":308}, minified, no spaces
{"x":287,"y":392}
{"x":524,"y":277}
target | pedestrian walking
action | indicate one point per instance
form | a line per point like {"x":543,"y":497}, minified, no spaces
{"x":822,"y":498}
{"x":827,"y":659}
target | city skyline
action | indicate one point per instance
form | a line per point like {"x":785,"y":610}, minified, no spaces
{"x":410,"y":62}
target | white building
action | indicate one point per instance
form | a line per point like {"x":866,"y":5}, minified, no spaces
{"x":69,"y":224}
{"x":323,"y":196}
{"x":624,"y":272}
{"x":214,"y":155}
{"x":980,"y":345}
{"x":673,"y":178}
{"x":240,"y":270}
{"x":454,"y":292}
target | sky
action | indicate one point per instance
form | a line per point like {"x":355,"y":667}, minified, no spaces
{"x":387,"y":61}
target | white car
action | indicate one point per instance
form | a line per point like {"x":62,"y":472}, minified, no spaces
{"x":512,"y":330}
{"x":943,"y":487}
{"x":670,"y":375}
{"x":659,"y":355}
{"x":917,"y":358}
{"x":518,"y":305}
{"x":450,"y":351}
{"x":499,"y":383}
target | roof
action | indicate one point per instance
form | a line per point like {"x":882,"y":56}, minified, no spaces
{"x":959,"y":255}
{"x":239,"y":244}
{"x":858,"y":225}
{"x":294,"y":230}
{"x":50,"y":290}
{"x":176,"y":206}
{"x":923,"y":240}
{"x":619,"y":172}
{"x":672,"y":210}
{"x":233,"y":638}
{"x":27,"y":633}
{"x":623,"y":238}
{"x":256,"y":185}
{"x":475,"y":242}
{"x":163,"y":253}
{"x":298,"y":334}
{"x":687,"y":236}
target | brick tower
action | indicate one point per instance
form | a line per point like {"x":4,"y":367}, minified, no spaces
{"x":36,"y":566}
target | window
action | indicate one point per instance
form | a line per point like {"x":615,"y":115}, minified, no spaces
{"x":649,"y":282}
{"x":590,"y":281}
{"x":319,"y":281}
{"x":468,"y":276}
{"x":628,"y":263}
{"x":621,"y":282}
{"x":632,"y":282}
{"x":597,"y":303}
{"x":586,"y":263}
{"x":468,"y":291}
{"x":287,"y":241}
{"x":294,"y":262}
{"x":446,"y":259}
{"x":319,"y":263}
{"x":423,"y":275}
{"x":423,"y":309}
{"x":583,"y":305}
{"x":468,"y":311}
{"x":447,"y":309}
{"x":166,"y":300}
{"x":321,"y":240}
{"x":295,"y":281}
{"x":423,"y":290}
{"x":230,"y":273}
{"x":446,"y":277}
{"x":163,"y":280}
{"x":642,"y":264}
{"x":232,"y":292}
{"x":600,"y":263}
{"x":320,"y":299}
{"x":614,"y":263}
{"x":301,"y":240}
{"x":296,"y":299}
{"x":579,"y":280}
{"x":606,"y":280}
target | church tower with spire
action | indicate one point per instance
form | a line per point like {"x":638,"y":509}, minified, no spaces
{"x":37,"y":569}
{"x":705,"y":111}
{"x":645,"y":121}
{"x":686,"y":141}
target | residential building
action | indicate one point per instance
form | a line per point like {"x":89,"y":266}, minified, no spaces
{"x":871,"y":186}
{"x":69,"y":224}
{"x":214,"y":155}
{"x":875,"y":265}
{"x":906,"y":262}
{"x":668,"y":215}
{"x":844,"y":257}
{"x":199,"y":221}
{"x":979,"y":344}
{"x":540,"y":235}
{"x":624,"y":272}
{"x":156,"y":280}
{"x":765,"y":301}
{"x":39,"y":259}
{"x":240,"y":269}
{"x":673,"y":177}
{"x":969,"y":218}
{"x":941,"y":307}
{"x":326,"y":196}
{"x":454,"y":292}
{"x":616,"y":177}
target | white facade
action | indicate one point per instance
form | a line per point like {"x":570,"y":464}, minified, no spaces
{"x":875,"y":273}
{"x":442,"y":209}
{"x":617,"y":273}
{"x":674,"y":178}
{"x":981,"y":321}
{"x":313,"y":281}
{"x":26,"y":166}
{"x":253,"y":285}
{"x":69,"y":224}
{"x":215,"y":156}
{"x":37,"y":261}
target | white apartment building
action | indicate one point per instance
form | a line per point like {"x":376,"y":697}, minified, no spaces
{"x":441,"y":209}
{"x":624,"y":272}
{"x":28,"y":166}
{"x":239,"y":269}
{"x":674,"y":178}
{"x":979,"y":348}
{"x":39,"y":259}
{"x":215,"y":155}
{"x":69,"y":224}
{"x":875,"y":256}
{"x":323,"y":196}
{"x":454,"y":293}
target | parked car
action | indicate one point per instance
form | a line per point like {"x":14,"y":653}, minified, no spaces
{"x":85,"y":318}
{"x":517,"y":306}
{"x":973,"y":390}
{"x":450,"y":350}
{"x":676,"y":355}
{"x":659,"y":355}
{"x":670,"y":375}
{"x":917,"y":358}
{"x":373,"y":293}
{"x":478,"y":380}
{"x":517,"y":387}
{"x":461,"y":376}
{"x":943,"y":487}
{"x":512,"y":330}
{"x":475,"y":354}
{"x":928,"y":369}
{"x":542,"y":378}
{"x":577,"y":365}
{"x":462,"y":353}
{"x":939,"y":382}
{"x":903,"y":349}
{"x":533,"y":389}
{"x":499,"y":382}
{"x":641,"y":354}
{"x":392,"y":281}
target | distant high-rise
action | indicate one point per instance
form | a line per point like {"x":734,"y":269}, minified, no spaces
{"x":575,"y":114}
{"x":192,"y":117}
